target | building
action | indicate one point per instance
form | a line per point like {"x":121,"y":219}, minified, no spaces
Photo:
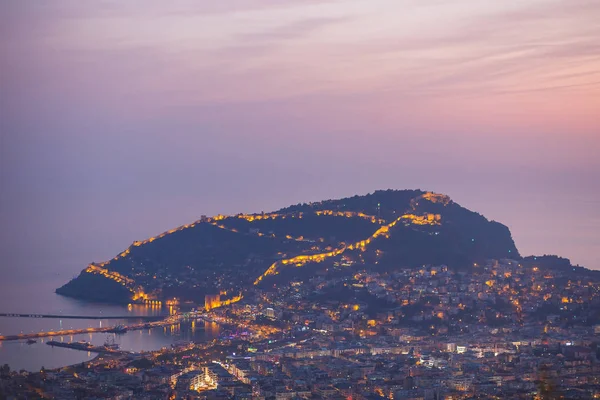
{"x":212,"y":301}
{"x":190,"y":381}
{"x":215,"y":374}
{"x":241,"y":370}
{"x":270,"y":313}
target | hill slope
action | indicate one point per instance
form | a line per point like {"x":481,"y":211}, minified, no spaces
{"x":385,"y":229}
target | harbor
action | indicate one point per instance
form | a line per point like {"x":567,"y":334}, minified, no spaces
{"x":171,"y":320}
{"x":60,"y":316}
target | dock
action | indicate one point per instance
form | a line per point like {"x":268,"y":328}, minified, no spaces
{"x":60,"y":316}
{"x":84,"y":347}
{"x":167,"y":321}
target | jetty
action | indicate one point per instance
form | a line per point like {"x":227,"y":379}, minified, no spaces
{"x":60,"y":316}
{"x":85,"y":346}
{"x":171,"y":320}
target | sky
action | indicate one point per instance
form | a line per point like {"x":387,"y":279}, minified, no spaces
{"x":122,"y":119}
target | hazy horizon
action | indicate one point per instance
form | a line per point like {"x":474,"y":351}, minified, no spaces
{"x":122,"y":120}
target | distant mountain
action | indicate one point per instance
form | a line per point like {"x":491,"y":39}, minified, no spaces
{"x":229,"y":254}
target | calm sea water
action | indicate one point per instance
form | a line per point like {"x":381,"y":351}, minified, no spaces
{"x":35,"y":294}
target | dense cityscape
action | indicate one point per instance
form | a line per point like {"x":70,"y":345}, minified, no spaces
{"x":505,"y":330}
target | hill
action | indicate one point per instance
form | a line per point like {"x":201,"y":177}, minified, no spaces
{"x":229,"y":254}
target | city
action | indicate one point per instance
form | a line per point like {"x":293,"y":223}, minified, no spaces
{"x":506,"y":331}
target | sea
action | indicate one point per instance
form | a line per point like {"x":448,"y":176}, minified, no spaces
{"x":33,"y":293}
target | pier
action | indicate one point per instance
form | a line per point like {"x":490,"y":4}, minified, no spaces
{"x":167,"y":321}
{"x":85,"y":347}
{"x":58,"y":316}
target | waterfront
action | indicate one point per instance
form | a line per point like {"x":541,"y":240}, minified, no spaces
{"x":35,"y":294}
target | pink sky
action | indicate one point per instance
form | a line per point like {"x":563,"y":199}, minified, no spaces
{"x":122,"y":119}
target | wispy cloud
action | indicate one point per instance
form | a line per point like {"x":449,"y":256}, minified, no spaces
{"x":69,"y":9}
{"x":460,"y":95}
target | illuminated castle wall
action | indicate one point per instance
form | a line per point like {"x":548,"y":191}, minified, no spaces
{"x":212,"y":301}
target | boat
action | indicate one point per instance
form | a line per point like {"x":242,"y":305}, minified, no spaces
{"x":118,"y":329}
{"x":31,"y":341}
{"x":81,"y":345}
{"x":110,"y":344}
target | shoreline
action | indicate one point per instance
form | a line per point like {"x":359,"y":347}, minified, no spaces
{"x":69,"y":332}
{"x":149,"y":346}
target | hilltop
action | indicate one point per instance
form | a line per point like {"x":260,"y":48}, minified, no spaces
{"x":229,"y":254}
